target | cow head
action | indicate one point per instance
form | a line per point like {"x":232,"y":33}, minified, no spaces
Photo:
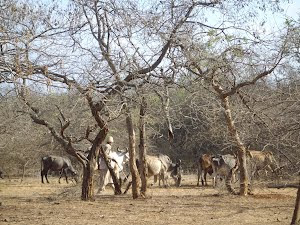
{"x":216,"y":160}
{"x":176,"y":172}
{"x":73,"y":173}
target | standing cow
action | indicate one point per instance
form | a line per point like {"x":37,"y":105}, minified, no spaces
{"x":57,"y":163}
{"x":161,"y":167}
{"x":263,"y":161}
{"x":204,"y":164}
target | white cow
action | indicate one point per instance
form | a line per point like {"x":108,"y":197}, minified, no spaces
{"x":117,"y":161}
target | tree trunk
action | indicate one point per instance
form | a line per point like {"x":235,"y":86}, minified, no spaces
{"x":117,"y":185}
{"x":23,"y":171}
{"x":132,"y":156}
{"x":296,"y":215}
{"x":142,"y":149}
{"x":244,"y":178}
{"x":87,"y":191}
{"x":87,"y":188}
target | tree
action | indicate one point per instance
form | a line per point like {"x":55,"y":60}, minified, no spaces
{"x":94,"y":72}
{"x":225,"y":67}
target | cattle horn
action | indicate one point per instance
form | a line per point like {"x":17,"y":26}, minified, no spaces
{"x":122,"y":151}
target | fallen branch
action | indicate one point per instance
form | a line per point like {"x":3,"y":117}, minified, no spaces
{"x":283,"y":185}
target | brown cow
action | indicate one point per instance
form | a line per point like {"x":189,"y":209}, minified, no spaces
{"x":263,"y":160}
{"x":204,"y":166}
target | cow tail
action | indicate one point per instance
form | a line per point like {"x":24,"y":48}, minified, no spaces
{"x":228,"y":182}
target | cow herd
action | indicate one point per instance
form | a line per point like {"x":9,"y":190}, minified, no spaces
{"x":162,"y":168}
{"x":219,"y":166}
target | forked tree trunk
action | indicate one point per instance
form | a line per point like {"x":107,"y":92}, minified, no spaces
{"x":296,"y":215}
{"x":132,"y":156}
{"x":244,"y":178}
{"x":142,"y":149}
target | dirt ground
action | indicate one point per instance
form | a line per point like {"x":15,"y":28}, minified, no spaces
{"x":31,"y":202}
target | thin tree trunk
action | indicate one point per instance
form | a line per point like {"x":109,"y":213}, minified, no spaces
{"x":142,"y":149}
{"x":296,"y":215}
{"x":244,"y":178}
{"x":23,"y":172}
{"x":132,"y":156}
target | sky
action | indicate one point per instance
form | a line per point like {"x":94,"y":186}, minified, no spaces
{"x":291,"y":9}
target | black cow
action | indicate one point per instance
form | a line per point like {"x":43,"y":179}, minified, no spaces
{"x":1,"y":174}
{"x":57,"y":163}
{"x":176,"y":173}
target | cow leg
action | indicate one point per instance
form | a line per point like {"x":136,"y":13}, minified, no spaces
{"x":205,"y":173}
{"x":164,"y":178}
{"x":65,"y":173}
{"x":159,"y":177}
{"x":60,"y":175}
{"x":44,"y":172}
{"x":155,"y":180}
{"x":42,"y":175}
{"x":46,"y":176}
{"x":214,"y":179}
{"x":199,"y":174}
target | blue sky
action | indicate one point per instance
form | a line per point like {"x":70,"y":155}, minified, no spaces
{"x":292,"y":9}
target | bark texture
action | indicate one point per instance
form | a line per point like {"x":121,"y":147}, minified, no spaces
{"x":142,"y":149}
{"x":132,"y":156}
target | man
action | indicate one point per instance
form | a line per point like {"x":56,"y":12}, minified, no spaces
{"x":104,"y":173}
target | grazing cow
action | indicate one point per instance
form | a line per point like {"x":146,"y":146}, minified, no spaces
{"x":204,"y":166}
{"x":117,"y":161}
{"x":174,"y":171}
{"x":221,"y":165}
{"x":263,"y":161}
{"x":1,"y":174}
{"x":57,"y":163}
{"x":158,"y":167}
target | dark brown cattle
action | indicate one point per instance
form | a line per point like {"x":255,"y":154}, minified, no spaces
{"x":57,"y":163}
{"x":204,"y":166}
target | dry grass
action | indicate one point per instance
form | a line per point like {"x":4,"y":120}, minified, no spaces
{"x":31,"y":202}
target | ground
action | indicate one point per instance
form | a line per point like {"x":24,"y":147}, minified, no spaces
{"x":31,"y":202}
